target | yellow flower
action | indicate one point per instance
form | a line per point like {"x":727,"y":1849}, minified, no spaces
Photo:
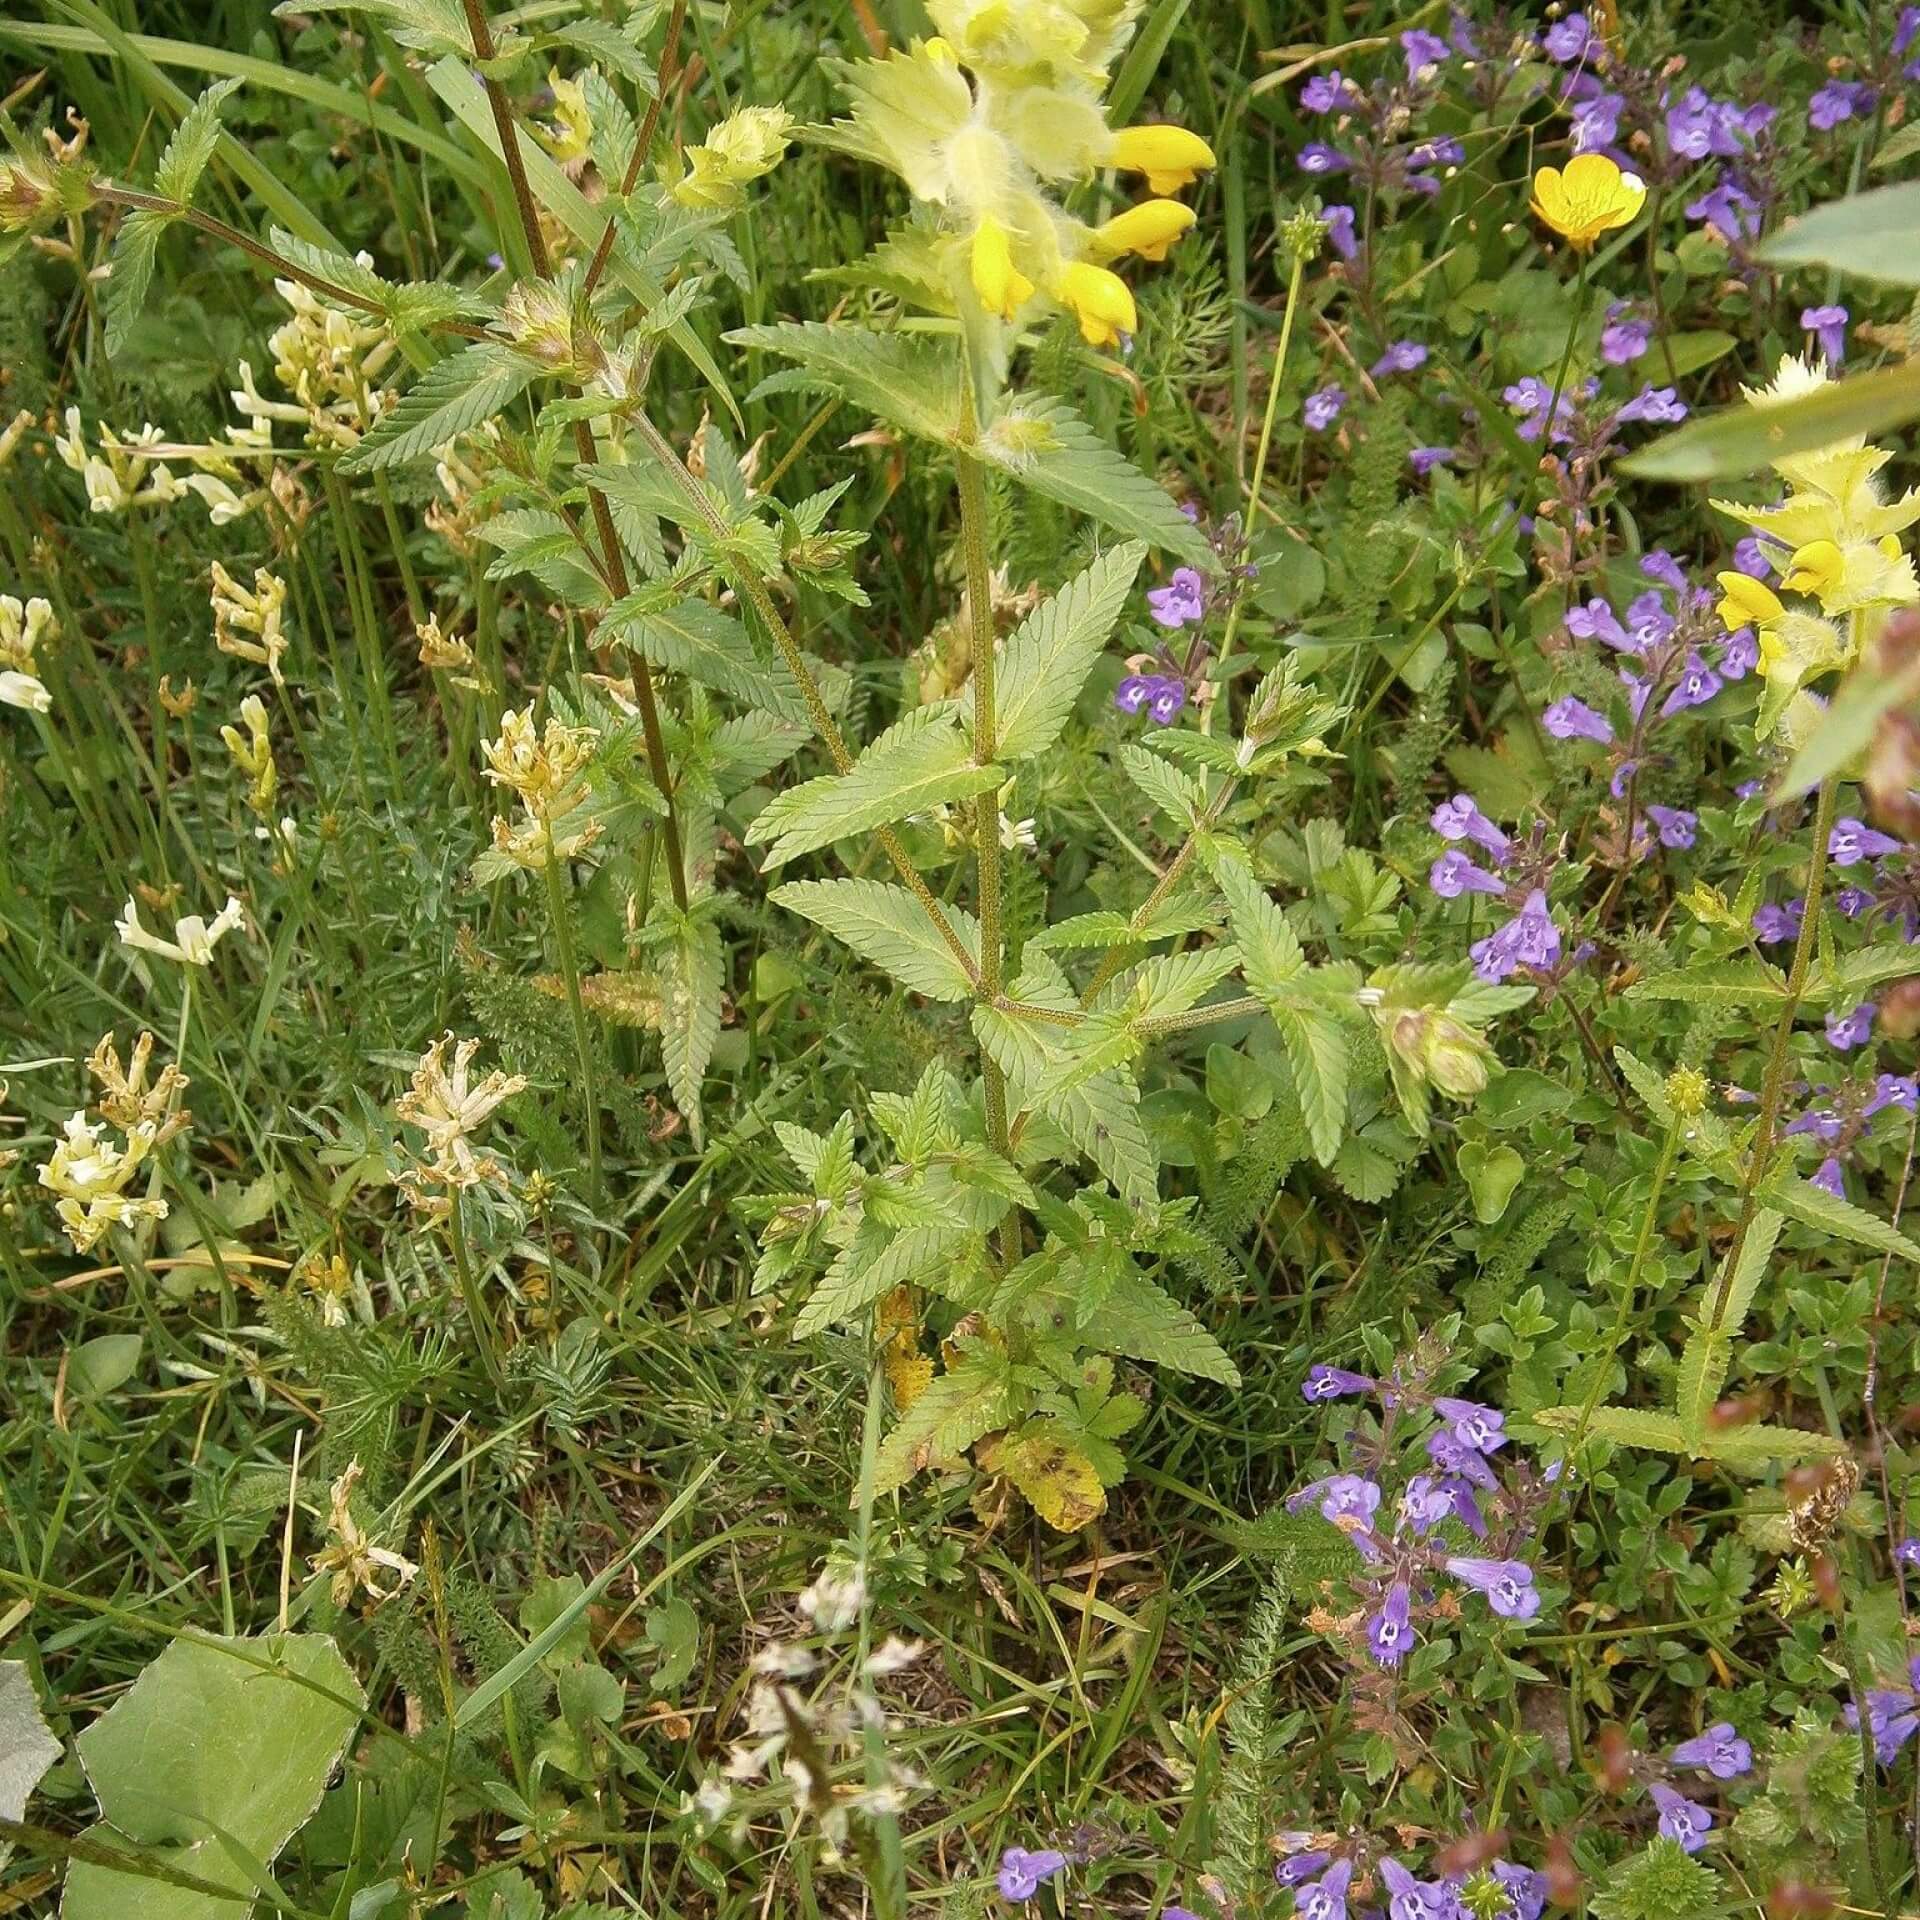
{"x":1747,"y":602}
{"x":1860,"y":573}
{"x":1002,"y":287}
{"x":1100,"y":302}
{"x":1591,"y":197}
{"x":742,"y":148}
{"x":1148,"y":229}
{"x":1170,"y":157}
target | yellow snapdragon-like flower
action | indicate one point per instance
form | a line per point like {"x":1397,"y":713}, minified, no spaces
{"x":1002,"y":287}
{"x":252,"y":753}
{"x":1100,"y":301}
{"x":1170,"y":157}
{"x":450,"y":1106}
{"x":545,"y":769}
{"x":248,"y":623}
{"x":1590,"y":196}
{"x":1747,"y":602}
{"x":1148,"y":229}
{"x":1862,"y":573}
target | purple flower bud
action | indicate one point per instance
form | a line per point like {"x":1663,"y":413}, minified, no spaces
{"x":1750,"y":558}
{"x":1302,"y":1866}
{"x":1845,"y":1031}
{"x":1828,"y":325}
{"x":1906,"y":27}
{"x":1322,"y":408}
{"x":1340,"y":235}
{"x":1681,"y":1819}
{"x":1508,"y":1584}
{"x":1404,"y":356}
{"x":1388,"y":1633}
{"x":1316,"y":157}
{"x":1829,"y":1178}
{"x":1852,"y":841}
{"x":1423,"y":460}
{"x":1729,"y":209}
{"x":1325,"y":92}
{"x":1181,"y":601}
{"x":1333,"y":1383}
{"x":1424,"y":52}
{"x":1660,"y":565}
{"x":1481,"y":1428}
{"x":1454,"y":873}
{"x":1597,"y":621}
{"x":1838,"y":100}
{"x":1572,"y":719}
{"x":1460,"y":819}
{"x":1022,"y":1873}
{"x":1443,"y":152}
{"x":1719,"y":1750}
{"x":1675,"y":825}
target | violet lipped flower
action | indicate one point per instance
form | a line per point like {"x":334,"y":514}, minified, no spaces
{"x":1906,"y":29}
{"x":1341,"y":1496}
{"x":1325,"y":92}
{"x":1598,"y":621}
{"x":1729,"y":209}
{"x":1318,"y":158}
{"x":1829,"y":1177}
{"x":1181,"y":602}
{"x":1893,"y":1090}
{"x":1404,"y":356}
{"x":1532,"y":397}
{"x":1529,"y":939}
{"x":1444,"y":151}
{"x":1424,"y":51}
{"x":1852,"y":841}
{"x":1828,"y":326}
{"x":1508,"y":1584}
{"x":1891,"y":1720}
{"x":1526,"y":1889}
{"x":1739,"y":654}
{"x":1851,"y":902}
{"x":1022,"y":1874}
{"x":1658,"y":564}
{"x":1681,"y":1820}
{"x":1907,"y":1553}
{"x":1453,"y":1455}
{"x":1455,"y":873}
{"x":1412,"y":1899}
{"x":1325,"y":1898}
{"x":1388,"y":1633}
{"x":1719,"y":1750}
{"x":1771,"y":925}
{"x":1750,"y":558}
{"x":1838,"y":100}
{"x":1460,"y":819}
{"x":1160,"y":694}
{"x":1654,"y":407}
{"x":1333,"y":1383}
{"x":1423,"y":460}
{"x":1675,"y":826}
{"x":1322,"y":407}
{"x":1302,"y":1866}
{"x":1595,"y":123}
{"x":1572,"y":719}
{"x":1481,"y":1428}
{"x":1845,"y":1031}
{"x":1568,"y":40}
{"x":1338,"y":220}
{"x":1697,"y":685}
{"x":1698,"y":125}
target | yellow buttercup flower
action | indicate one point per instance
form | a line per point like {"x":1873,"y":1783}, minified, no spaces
{"x":1747,"y":602}
{"x":1592,"y":196}
{"x":1100,"y":301}
{"x":1148,"y":229}
{"x":1002,"y":287}
{"x":1170,"y":157}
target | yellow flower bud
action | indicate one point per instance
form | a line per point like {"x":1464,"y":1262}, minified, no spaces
{"x":1747,"y":602}
{"x":1002,"y":287}
{"x":1592,"y":196}
{"x":1170,"y":157}
{"x":1148,"y":229}
{"x":1687,"y":1092}
{"x":1100,"y":301}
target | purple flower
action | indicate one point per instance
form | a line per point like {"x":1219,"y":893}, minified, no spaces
{"x":1481,"y":1428}
{"x":1454,"y":873}
{"x":1851,"y":902}
{"x":1739,"y":654}
{"x":1022,"y":1873}
{"x":1423,"y":50}
{"x":1682,"y":1820}
{"x":1890,"y":1719}
{"x":1181,"y":601}
{"x":1168,"y":698}
{"x":1660,"y":565}
{"x":1423,"y":460}
{"x":1302,"y":1866}
{"x":1829,"y":1179}
{"x":1448,"y":1451}
{"x":1529,"y":939}
{"x":1341,"y":1496}
{"x":1700,"y":125}
{"x":1648,"y":621}
{"x":1460,"y":819}
{"x":1719,"y":1750}
{"x":1597,"y":621}
{"x":1339,"y":225}
{"x":1750,"y":558}
{"x":1317,"y":157}
{"x":1845,"y":1031}
{"x":1333,"y":1383}
{"x":1572,"y":719}
{"x":1698,"y":684}
{"x":1443,"y":152}
{"x":1326,"y":91}
{"x":1526,"y":1889}
{"x":1906,"y":27}
{"x":1838,"y":100}
{"x":1654,"y":407}
{"x":1411,"y":1899}
{"x":1729,"y":209}
{"x":1596,"y":123}
{"x":1907,"y":1553}
{"x":1508,"y":1585}
{"x":1402,"y":357}
{"x":1828,"y":325}
{"x":1388,"y":1634}
{"x":1568,"y":40}
{"x":1325,"y":1898}
{"x":1532,"y":397}
{"x":1893,"y":1090}
{"x":1852,"y":841}
{"x":1322,"y":408}
{"x":1771,"y":925}
{"x":1675,"y":826}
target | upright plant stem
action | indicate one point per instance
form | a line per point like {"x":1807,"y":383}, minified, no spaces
{"x":483,"y":1330}
{"x":570,"y":973}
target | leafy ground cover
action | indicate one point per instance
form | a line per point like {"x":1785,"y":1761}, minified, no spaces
{"x":958,"y":961}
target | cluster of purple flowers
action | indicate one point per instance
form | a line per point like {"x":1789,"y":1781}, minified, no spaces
{"x":1889,"y":893}
{"x":1321,"y":1885}
{"x":1530,"y":938}
{"x":1893,"y":1713}
{"x":1839,"y":1117}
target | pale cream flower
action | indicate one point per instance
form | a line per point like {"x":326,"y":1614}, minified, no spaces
{"x":248,"y":624}
{"x":128,"y":1101}
{"x":12,"y":434}
{"x":450,"y":1107}
{"x":194,"y":938}
{"x":350,"y":1555}
{"x":253,"y":754}
{"x":24,"y":690}
{"x":90,"y":1174}
{"x":543,"y":768}
{"x":449,"y":653}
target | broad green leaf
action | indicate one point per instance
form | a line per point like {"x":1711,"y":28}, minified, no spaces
{"x":133,"y":257}
{"x":1045,"y":445}
{"x":1870,"y":235}
{"x":888,"y":925}
{"x":27,"y":1746}
{"x":1692,"y":351}
{"x":459,"y":392}
{"x":1716,"y":983}
{"x":1744,"y":439}
{"x":1177,"y":795}
{"x":1753,"y":1449}
{"x":912,"y":382}
{"x":1620,"y":1426}
{"x":1316,"y":1044}
{"x":1171,"y":983}
{"x":1143,"y":1322}
{"x":956,"y":1408}
{"x":213,"y":1763}
{"x":1815,"y":1207}
{"x":1182,"y":913}
{"x":1269,"y":949}
{"x":692,"y":972}
{"x":860,"y":1275}
{"x":1045,"y":663}
{"x":920,"y":762}
{"x":702,"y":641}
{"x":1491,"y":1173}
{"x":192,"y":145}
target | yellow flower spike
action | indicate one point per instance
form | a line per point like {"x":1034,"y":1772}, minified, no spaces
{"x":1170,"y":157}
{"x":1747,"y":602}
{"x":1592,"y":196}
{"x":1148,"y":229}
{"x":1100,"y":301}
{"x":1002,"y":287}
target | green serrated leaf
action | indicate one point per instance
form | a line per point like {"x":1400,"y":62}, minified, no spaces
{"x":1317,"y":1051}
{"x":887,"y":925}
{"x":1270,"y":950}
{"x":192,"y":145}
{"x":914,"y":383}
{"x":1815,"y":1207}
{"x":863,"y":1273}
{"x":1716,"y":983}
{"x":956,"y":1408}
{"x":705,"y":643}
{"x":1143,"y":1322}
{"x":1751,"y":1449}
{"x":134,"y":252}
{"x":1621,"y":1426}
{"x":449,"y":398}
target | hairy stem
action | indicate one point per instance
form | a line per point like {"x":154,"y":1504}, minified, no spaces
{"x":570,"y":973}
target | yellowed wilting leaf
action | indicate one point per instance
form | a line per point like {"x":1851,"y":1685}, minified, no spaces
{"x":626,"y":998}
{"x":1056,"y":1477}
